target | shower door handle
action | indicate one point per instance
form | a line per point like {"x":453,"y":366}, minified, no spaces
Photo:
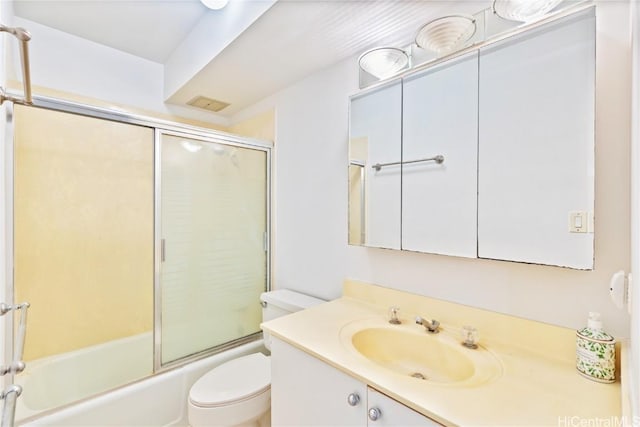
{"x":163,"y":250}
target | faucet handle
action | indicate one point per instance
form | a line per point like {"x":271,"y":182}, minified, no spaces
{"x":393,"y":315}
{"x":430,"y":325}
{"x":470,"y":337}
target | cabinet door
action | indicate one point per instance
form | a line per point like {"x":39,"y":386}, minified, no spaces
{"x":308,"y":392}
{"x":440,"y":117}
{"x":375,"y":138}
{"x":536,"y":144}
{"x":394,"y":414}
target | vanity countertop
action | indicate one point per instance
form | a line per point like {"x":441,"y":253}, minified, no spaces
{"x":538,"y":386}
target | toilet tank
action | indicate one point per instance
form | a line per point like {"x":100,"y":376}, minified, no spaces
{"x":282,"y":302}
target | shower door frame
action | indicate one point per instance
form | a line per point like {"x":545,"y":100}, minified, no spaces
{"x":7,"y":293}
{"x":159,"y":127}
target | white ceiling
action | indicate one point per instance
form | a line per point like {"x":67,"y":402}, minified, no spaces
{"x":150,"y":29}
{"x":289,"y":41}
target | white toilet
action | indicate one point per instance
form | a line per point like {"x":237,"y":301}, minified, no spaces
{"x":238,"y":393}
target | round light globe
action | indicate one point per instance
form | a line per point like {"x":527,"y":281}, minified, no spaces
{"x":215,"y":4}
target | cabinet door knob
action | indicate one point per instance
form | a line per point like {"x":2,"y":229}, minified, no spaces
{"x":374,"y":414}
{"x":353,"y":399}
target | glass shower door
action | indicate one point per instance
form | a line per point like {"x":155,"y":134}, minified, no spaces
{"x":213,"y":231}
{"x":83,"y":249}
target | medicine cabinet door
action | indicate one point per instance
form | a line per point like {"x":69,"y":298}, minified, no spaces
{"x":374,"y":167}
{"x":536,"y":145}
{"x":440,"y":118}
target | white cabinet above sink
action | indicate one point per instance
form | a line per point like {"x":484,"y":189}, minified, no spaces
{"x":497,"y":151}
{"x":440,"y":118}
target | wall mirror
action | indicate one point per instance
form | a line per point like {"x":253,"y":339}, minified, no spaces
{"x":513,"y":121}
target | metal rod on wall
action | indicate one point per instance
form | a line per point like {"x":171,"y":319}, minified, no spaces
{"x":23,"y":37}
{"x":438,"y":159}
{"x":10,"y":395}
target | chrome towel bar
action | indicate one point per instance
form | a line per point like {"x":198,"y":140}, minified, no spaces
{"x":10,"y":396}
{"x":23,"y":37}
{"x":438,"y":159}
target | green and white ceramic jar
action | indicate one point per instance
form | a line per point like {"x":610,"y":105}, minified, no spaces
{"x":596,"y":351}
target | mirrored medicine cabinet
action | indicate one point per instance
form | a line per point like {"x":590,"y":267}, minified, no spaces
{"x":484,"y":154}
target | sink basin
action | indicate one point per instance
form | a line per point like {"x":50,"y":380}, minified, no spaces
{"x":418,"y":356}
{"x":414,"y":355}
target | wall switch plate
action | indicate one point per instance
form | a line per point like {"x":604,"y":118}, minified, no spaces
{"x":578,"y":222}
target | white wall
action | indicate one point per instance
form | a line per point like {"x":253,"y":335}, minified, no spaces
{"x":311,"y":253}
{"x":70,"y":64}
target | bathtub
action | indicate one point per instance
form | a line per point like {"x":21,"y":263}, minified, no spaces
{"x":157,"y":400}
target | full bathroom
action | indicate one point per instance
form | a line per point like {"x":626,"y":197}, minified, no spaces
{"x":288,"y":213}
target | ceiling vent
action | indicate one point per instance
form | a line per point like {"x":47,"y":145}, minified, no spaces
{"x":208,"y":103}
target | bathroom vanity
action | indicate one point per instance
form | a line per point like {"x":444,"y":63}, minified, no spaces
{"x":343,"y":363}
{"x":316,"y":393}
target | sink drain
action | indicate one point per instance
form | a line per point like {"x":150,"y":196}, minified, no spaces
{"x":418,"y":375}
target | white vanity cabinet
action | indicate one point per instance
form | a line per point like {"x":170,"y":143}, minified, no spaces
{"x":440,"y":118}
{"x":536,"y":145}
{"x":376,"y":139}
{"x":308,"y":392}
{"x":393,"y":413}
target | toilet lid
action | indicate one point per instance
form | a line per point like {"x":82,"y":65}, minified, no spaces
{"x":236,"y":380}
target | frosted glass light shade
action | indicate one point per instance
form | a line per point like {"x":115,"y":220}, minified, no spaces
{"x":383,"y":62}
{"x":523,"y":10}
{"x":215,"y":4}
{"x":444,"y":35}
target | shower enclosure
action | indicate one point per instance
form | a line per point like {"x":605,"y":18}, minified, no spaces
{"x":141,"y":245}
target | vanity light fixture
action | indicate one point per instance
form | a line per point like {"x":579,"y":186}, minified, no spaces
{"x":444,"y":35}
{"x":383,"y":62}
{"x":215,"y":4}
{"x":523,"y":10}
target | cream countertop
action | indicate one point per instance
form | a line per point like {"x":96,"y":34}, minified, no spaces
{"x":538,"y":386}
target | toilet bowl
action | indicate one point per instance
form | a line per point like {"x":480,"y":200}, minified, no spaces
{"x":238,"y":393}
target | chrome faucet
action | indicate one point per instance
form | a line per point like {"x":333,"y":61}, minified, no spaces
{"x":430,"y":325}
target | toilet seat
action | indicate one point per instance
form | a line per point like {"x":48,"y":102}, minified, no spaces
{"x":232,"y":382}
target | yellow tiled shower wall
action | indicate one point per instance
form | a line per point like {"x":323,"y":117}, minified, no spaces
{"x":83,"y":229}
